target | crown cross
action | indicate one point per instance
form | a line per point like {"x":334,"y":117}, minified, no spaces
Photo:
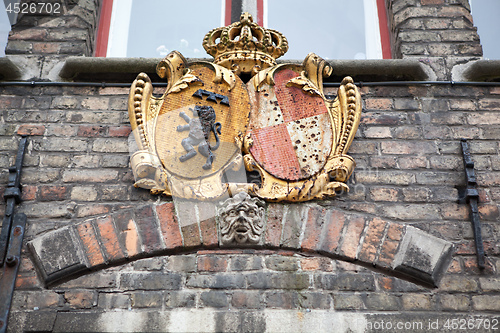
{"x":245,"y":47}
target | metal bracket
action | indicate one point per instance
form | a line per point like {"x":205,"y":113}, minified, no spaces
{"x":471,"y":197}
{"x":11,"y":236}
{"x":12,"y":196}
{"x":9,"y":271}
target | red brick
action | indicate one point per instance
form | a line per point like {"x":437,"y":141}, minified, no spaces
{"x":492,"y":248}
{"x":381,"y":118}
{"x":191,"y":235}
{"x":10,"y":102}
{"x":148,"y":228}
{"x":334,"y":223}
{"x":92,"y":210}
{"x":488,"y":212}
{"x":378,"y":103}
{"x":47,"y":48}
{"x":372,"y":240}
{"x":352,"y":236}
{"x":44,"y":299}
{"x":109,"y":238}
{"x":274,"y":224}
{"x":31,"y":130}
{"x":208,"y":225}
{"x":24,"y":281}
{"x":385,"y":283}
{"x":483,"y":196}
{"x":470,"y":266}
{"x":209,"y":234}
{"x":467,"y":247}
{"x":454,"y":266}
{"x":119,"y":131}
{"x":90,"y":244}
{"x":453,"y":211}
{"x":169,"y":225}
{"x":212,"y":263}
{"x":246,"y":299}
{"x":29,"y":192}
{"x":390,"y":245}
{"x":310,"y":264}
{"x":29,"y":34}
{"x":81,"y":299}
{"x":313,"y":230}
{"x":91,"y":131}
{"x":384,"y":194}
{"x":53,"y":193}
{"x":128,"y":235}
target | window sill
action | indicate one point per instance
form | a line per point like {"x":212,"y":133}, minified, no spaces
{"x":126,"y":69}
{"x":8,"y":71}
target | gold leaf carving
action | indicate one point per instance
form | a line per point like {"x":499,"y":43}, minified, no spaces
{"x":303,"y":82}
{"x":184,"y":82}
{"x":224,"y":74}
{"x":242,"y":48}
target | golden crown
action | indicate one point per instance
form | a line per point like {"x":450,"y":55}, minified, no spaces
{"x":244,"y":46}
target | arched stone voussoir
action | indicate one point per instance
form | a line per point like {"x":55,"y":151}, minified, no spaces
{"x":185,"y":226}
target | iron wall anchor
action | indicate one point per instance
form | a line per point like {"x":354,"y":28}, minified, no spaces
{"x":472,"y":198}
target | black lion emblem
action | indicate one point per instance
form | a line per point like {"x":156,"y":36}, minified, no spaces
{"x":200,"y":127}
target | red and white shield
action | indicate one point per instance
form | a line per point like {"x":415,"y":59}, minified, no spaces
{"x":291,"y":130}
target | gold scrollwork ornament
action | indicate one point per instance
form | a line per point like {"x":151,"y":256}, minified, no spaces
{"x":280,"y":123}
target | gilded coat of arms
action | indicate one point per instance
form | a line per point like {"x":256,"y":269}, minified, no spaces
{"x":243,"y":112}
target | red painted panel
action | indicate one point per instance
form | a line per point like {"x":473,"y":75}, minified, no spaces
{"x":385,"y":37}
{"x":260,"y":12}
{"x":104,"y":24}
{"x":227,"y":14}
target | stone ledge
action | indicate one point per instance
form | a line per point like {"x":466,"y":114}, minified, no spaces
{"x":234,"y":320}
{"x":482,"y":70}
{"x":126,"y":69}
{"x":162,"y":229}
{"x":8,"y":70}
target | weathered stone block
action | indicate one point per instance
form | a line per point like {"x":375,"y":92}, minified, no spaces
{"x":294,"y":219}
{"x":58,"y":255}
{"x":423,"y":256}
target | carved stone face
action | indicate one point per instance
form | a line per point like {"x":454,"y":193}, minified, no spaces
{"x":241,"y":220}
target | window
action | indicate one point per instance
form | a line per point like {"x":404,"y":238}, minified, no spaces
{"x":485,"y":14}
{"x":7,"y":18}
{"x":354,"y":29}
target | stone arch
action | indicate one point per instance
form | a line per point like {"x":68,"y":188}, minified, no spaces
{"x":175,"y":228}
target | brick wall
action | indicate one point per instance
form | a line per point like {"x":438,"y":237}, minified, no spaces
{"x":70,"y":31}
{"x":409,"y":174}
{"x":439,"y":32}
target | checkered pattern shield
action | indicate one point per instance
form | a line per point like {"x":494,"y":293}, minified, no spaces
{"x":291,"y":130}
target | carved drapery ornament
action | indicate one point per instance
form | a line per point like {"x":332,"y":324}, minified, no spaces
{"x":209,"y":122}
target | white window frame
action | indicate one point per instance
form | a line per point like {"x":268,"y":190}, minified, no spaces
{"x":122,"y":10}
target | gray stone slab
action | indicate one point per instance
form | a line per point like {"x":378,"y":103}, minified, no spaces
{"x":58,"y":254}
{"x":8,"y":70}
{"x":423,"y":256}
